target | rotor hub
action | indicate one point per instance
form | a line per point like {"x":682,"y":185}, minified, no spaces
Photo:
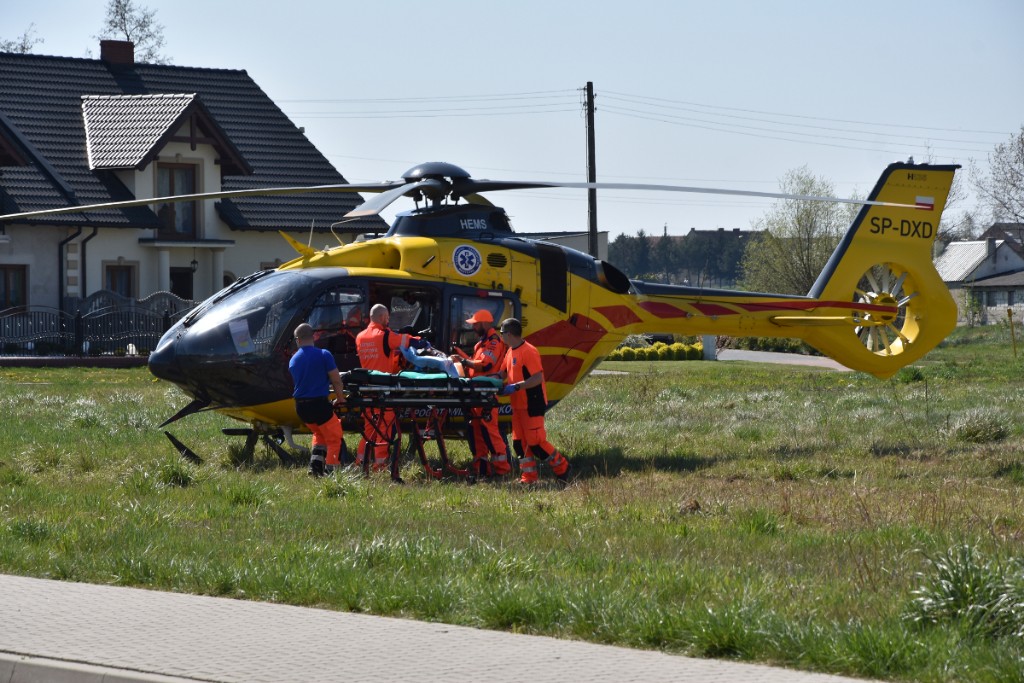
{"x":437,"y":170}
{"x":882,"y":317}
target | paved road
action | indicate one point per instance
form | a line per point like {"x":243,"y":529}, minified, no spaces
{"x":71,"y":632}
{"x":783,"y":358}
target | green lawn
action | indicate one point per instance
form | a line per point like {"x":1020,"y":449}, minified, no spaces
{"x":789,"y":515}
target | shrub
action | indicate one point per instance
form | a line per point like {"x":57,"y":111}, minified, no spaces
{"x":175,"y":471}
{"x":909,"y":375}
{"x":628,"y":353}
{"x":635,"y":341}
{"x":665,"y":352}
{"x":977,"y":426}
{"x":962,"y":587}
{"x":678,"y":351}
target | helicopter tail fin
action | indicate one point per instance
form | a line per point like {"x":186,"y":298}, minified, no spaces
{"x":882,"y":275}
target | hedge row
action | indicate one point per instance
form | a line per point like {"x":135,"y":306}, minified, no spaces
{"x":659,"y":351}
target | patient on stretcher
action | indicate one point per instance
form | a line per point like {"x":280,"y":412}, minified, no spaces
{"x":428,"y":359}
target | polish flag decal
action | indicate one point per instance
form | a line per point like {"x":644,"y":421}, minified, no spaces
{"x":926,"y":203}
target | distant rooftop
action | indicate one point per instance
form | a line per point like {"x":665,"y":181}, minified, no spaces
{"x":959,"y":259}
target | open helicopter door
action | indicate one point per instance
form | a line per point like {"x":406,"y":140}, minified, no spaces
{"x":462,"y":304}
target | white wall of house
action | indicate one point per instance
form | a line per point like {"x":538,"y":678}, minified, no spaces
{"x":35,"y":247}
{"x":1005,"y":260}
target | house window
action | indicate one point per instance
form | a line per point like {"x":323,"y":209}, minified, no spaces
{"x":13,"y":280}
{"x":177,"y":220}
{"x":120,"y":280}
{"x":1011,"y":297}
{"x":182,"y":283}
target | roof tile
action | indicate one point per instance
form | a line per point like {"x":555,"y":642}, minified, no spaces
{"x":42,"y":97}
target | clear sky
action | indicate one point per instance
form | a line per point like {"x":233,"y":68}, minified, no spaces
{"x":726,"y":94}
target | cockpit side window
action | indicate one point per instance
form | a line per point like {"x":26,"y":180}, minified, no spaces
{"x":414,"y":310}
{"x":337,"y":316}
{"x":406,"y":313}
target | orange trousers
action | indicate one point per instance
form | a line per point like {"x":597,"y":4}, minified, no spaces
{"x":531,"y":432}
{"x":328,"y":435}
{"x":485,"y":438}
{"x":378,"y":427}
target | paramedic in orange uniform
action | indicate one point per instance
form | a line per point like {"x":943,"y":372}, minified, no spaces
{"x":488,"y":360}
{"x":524,"y":377}
{"x":378,"y":349}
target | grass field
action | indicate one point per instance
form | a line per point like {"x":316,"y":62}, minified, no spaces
{"x":787,"y":515}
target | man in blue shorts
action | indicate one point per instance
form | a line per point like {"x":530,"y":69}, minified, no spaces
{"x":314,"y":372}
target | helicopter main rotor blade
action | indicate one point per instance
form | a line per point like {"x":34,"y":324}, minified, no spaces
{"x":491,"y":185}
{"x":228,"y":194}
{"x":372,"y":207}
{"x":434,"y":188}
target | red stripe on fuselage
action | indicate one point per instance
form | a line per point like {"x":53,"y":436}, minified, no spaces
{"x":663,"y":310}
{"x":619,"y":316}
{"x":811,"y":303}
{"x":714,"y":309}
{"x":561,"y":369}
{"x":580,"y":337}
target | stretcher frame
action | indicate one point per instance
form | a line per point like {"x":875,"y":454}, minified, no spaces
{"x":421,"y":404}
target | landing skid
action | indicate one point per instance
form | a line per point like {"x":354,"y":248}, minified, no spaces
{"x":273,"y":442}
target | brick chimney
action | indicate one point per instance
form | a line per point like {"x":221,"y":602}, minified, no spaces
{"x":117,"y":52}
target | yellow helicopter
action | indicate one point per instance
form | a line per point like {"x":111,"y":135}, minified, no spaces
{"x":878,"y":305}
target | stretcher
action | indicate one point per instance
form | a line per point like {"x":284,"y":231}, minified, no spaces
{"x":421,"y":404}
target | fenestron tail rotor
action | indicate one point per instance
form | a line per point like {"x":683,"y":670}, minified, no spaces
{"x":887,"y":291}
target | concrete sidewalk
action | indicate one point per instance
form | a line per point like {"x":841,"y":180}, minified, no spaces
{"x":59,"y":631}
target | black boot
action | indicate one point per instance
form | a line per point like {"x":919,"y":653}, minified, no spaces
{"x":316,"y":461}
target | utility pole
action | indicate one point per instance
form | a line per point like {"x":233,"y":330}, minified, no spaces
{"x":591,"y":173}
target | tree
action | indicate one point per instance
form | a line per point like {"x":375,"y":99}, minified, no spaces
{"x":127,"y":21}
{"x":797,"y":239}
{"x":622,"y":253}
{"x":643,"y":254}
{"x":22,"y":44}
{"x":665,"y":259}
{"x":1001,"y":188}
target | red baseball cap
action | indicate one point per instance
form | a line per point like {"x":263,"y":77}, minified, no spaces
{"x":481,"y":316}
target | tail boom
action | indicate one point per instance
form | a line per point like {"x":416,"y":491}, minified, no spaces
{"x":878,"y":305}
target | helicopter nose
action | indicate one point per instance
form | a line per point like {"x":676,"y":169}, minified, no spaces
{"x":163,"y":363}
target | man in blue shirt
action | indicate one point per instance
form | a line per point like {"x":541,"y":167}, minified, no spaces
{"x":314,"y":372}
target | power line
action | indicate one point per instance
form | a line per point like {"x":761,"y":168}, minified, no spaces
{"x":440,"y":113}
{"x":563,"y":94}
{"x":807,"y":125}
{"x":713,"y":127}
{"x":815,"y":118}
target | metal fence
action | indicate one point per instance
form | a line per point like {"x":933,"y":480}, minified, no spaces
{"x":103,"y":323}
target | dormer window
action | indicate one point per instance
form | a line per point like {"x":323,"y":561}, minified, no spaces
{"x":177,"y":220}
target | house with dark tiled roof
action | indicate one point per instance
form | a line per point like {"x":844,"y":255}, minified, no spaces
{"x":984,"y":276}
{"x":1012,"y":232}
{"x":87,"y":131}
